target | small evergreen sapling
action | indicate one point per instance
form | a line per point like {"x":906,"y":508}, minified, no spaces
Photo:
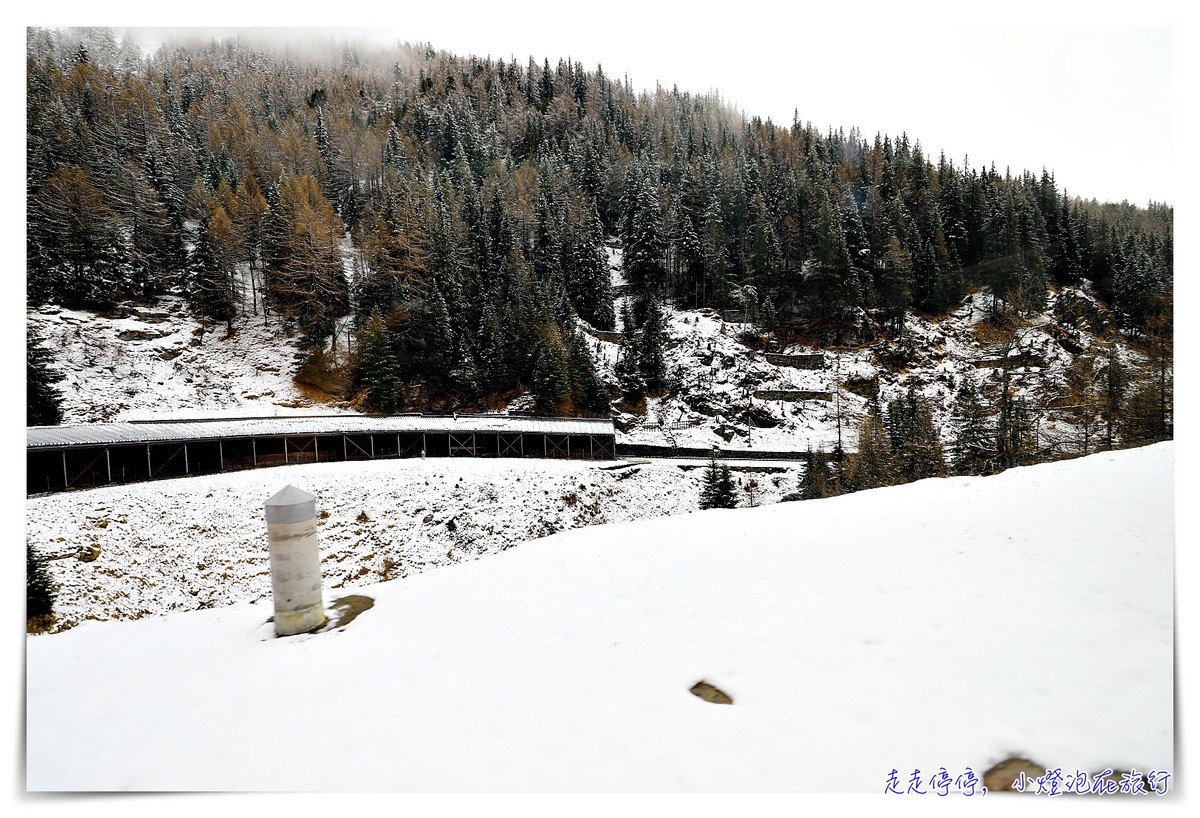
{"x":39,"y":590}
{"x":874,"y":465}
{"x":725,"y":497}
{"x":652,"y":361}
{"x":43,"y":402}
{"x":379,"y":368}
{"x":717,"y":491}
{"x":817,"y":481}
{"x":974,"y":443}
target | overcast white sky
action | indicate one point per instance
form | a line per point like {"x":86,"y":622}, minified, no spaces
{"x":1093,"y":105}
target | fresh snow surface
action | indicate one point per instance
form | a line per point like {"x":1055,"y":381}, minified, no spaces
{"x":945,"y":623}
{"x":200,"y":542}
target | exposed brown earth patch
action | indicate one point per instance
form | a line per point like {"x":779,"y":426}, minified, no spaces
{"x":347,"y":608}
{"x":1000,"y":777}
{"x":710,"y":694}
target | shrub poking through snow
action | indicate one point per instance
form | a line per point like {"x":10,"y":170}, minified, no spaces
{"x":39,"y":591}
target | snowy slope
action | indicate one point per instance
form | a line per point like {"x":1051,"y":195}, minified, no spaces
{"x":942,"y":623}
{"x":717,"y":370}
{"x":200,"y":542}
{"x":161,"y":362}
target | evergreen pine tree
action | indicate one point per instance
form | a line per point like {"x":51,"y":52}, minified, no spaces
{"x":40,"y":591}
{"x":154,"y":250}
{"x":551,"y":381}
{"x":1139,"y":417}
{"x":834,"y":281}
{"x":708,"y":484}
{"x":914,"y":438}
{"x":1083,"y":403}
{"x":817,"y":480}
{"x":43,"y":403}
{"x":1147,"y":413}
{"x":546,"y":255}
{"x":896,"y":287}
{"x":651,"y":353}
{"x":629,"y":359}
{"x":379,"y":367}
{"x":1015,"y":437}
{"x":1116,"y":384}
{"x":874,"y":464}
{"x":589,"y":393}
{"x":765,"y":261}
{"x":74,"y":250}
{"x":724,"y":496}
{"x":498,"y":375}
{"x":464,"y":375}
{"x":642,"y":235}
{"x":769,"y":317}
{"x":441,"y":345}
{"x":213,"y":290}
{"x":590,"y":281}
{"x":974,"y":446}
{"x":253,"y":215}
{"x":716,"y":490}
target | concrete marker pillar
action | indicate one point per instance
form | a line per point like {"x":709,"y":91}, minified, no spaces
{"x":295,"y":561}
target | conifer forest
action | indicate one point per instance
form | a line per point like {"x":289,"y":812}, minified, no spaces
{"x":450,"y":220}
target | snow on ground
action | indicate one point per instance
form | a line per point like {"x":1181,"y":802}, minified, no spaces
{"x":201,"y":542}
{"x":162,"y":362}
{"x":717,"y":371}
{"x":615,"y":260}
{"x":945,"y":623}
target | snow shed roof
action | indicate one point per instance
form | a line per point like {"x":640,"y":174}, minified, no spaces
{"x":102,"y":434}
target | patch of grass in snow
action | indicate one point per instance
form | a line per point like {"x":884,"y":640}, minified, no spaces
{"x":998,"y":328}
{"x":40,"y":623}
{"x":347,"y":608}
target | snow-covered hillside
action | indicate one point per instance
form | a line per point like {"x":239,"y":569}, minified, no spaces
{"x":941,"y":624}
{"x":161,"y":362}
{"x":719,"y":374}
{"x":124,"y":552}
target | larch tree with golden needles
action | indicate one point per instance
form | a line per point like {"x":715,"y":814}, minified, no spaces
{"x":306,"y":281}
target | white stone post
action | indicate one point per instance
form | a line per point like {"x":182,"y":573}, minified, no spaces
{"x":295,"y":561}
